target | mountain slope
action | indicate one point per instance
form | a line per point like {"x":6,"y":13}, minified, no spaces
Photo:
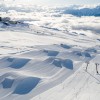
{"x":44,"y":56}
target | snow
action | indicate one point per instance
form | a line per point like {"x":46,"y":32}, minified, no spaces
{"x":44,"y":56}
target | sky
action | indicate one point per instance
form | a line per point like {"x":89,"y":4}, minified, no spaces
{"x":58,"y":2}
{"x":67,"y":1}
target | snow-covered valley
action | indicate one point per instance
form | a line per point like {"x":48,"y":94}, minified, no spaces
{"x":45,"y":56}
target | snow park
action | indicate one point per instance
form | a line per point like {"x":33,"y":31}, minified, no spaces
{"x":49,"y":49}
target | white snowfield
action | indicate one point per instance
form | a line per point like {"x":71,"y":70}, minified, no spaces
{"x":48,"y":62}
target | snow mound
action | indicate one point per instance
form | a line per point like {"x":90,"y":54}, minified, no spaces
{"x":65,"y":46}
{"x":7,"y":83}
{"x":78,"y":53}
{"x":82,"y":54}
{"x":67,"y":63}
{"x":51,"y":53}
{"x":15,"y":63}
{"x":86,"y":54}
{"x":40,"y":53}
{"x":91,"y":50}
{"x":8,"y":79}
{"x":18,"y":83}
{"x":19,"y":63}
{"x":26,"y":85}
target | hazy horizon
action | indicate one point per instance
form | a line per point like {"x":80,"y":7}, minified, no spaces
{"x":55,"y":2}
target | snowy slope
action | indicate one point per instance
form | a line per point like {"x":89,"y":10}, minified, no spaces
{"x":45,"y":56}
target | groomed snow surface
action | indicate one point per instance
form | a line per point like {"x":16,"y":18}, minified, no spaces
{"x":43,"y":60}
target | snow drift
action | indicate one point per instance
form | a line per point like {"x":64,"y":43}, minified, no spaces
{"x":51,"y":53}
